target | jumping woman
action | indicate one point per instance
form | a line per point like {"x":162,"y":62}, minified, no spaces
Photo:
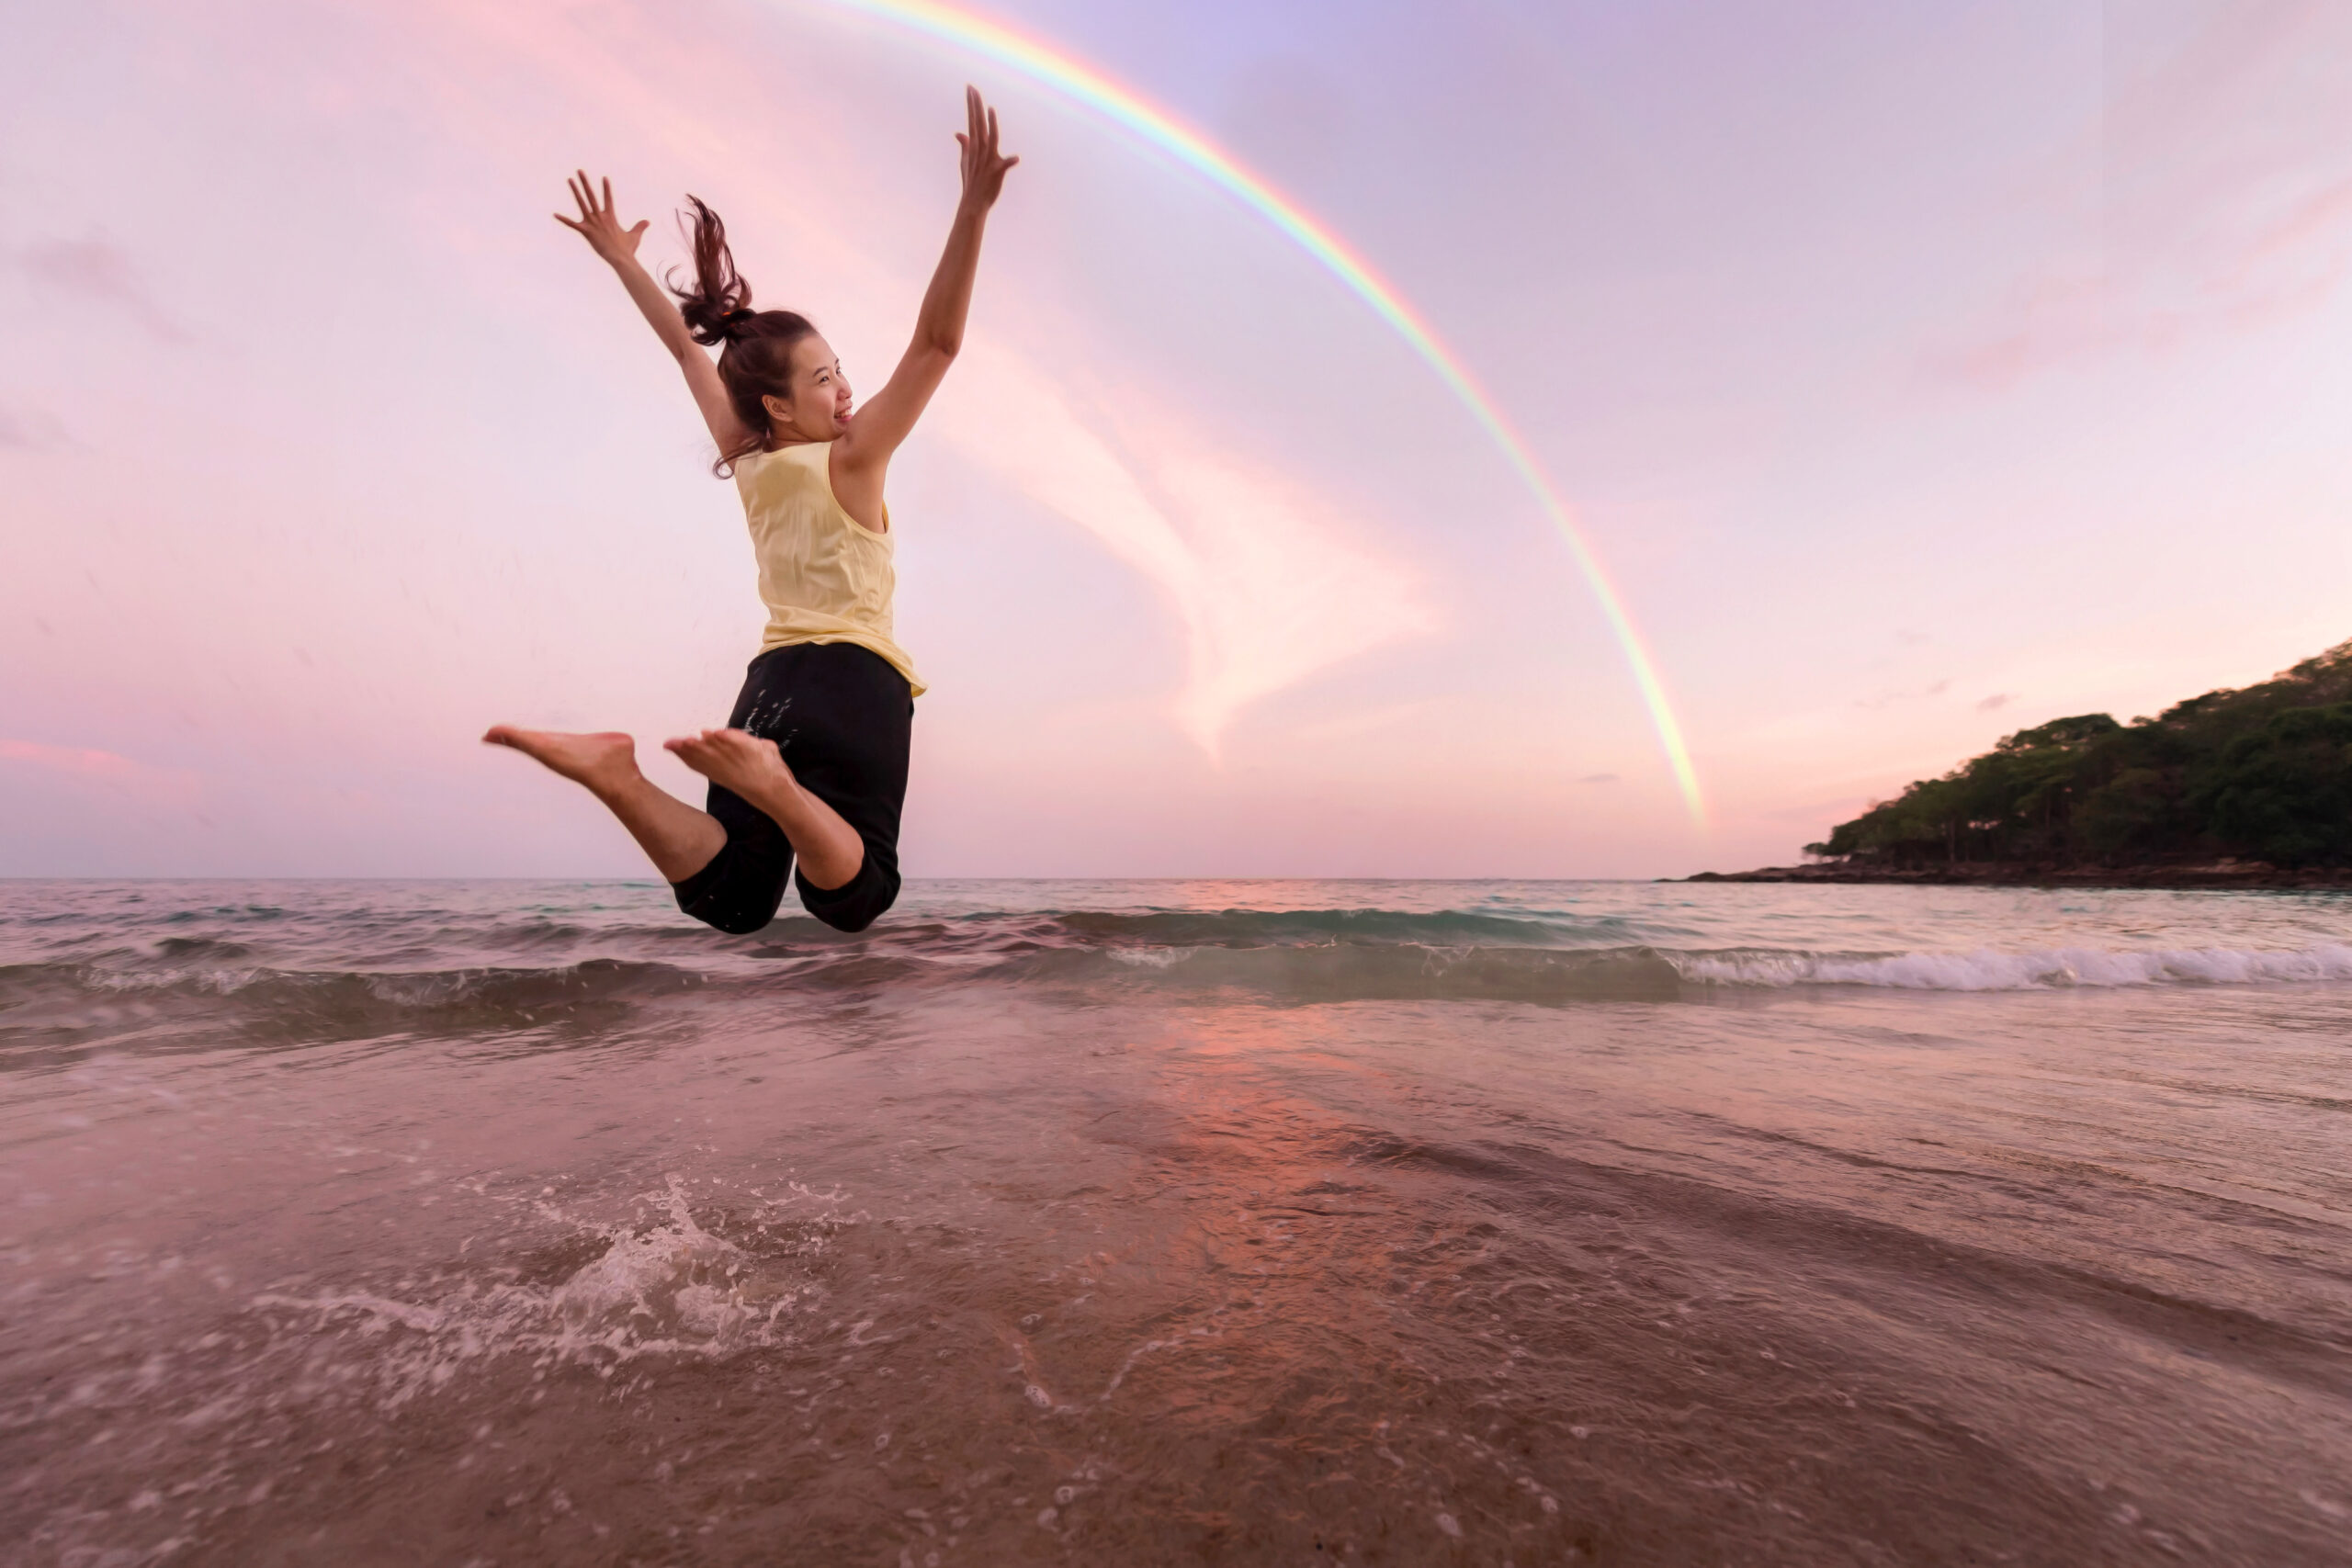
{"x":813,"y":764}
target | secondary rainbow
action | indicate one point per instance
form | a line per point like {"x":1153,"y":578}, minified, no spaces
{"x":1042,"y":64}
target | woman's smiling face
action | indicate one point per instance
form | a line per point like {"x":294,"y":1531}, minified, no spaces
{"x":819,"y":408}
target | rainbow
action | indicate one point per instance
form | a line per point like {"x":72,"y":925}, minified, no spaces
{"x":1044,"y":64}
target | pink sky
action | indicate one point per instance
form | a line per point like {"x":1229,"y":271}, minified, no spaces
{"x":1920,"y":372}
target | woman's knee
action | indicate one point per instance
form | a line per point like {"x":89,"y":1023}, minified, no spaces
{"x":735,"y":922}
{"x":731,"y":897}
{"x":855,"y":904}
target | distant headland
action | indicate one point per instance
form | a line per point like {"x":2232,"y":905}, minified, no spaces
{"x":2248,"y":788}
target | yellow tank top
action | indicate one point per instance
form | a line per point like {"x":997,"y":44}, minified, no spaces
{"x":825,"y":576}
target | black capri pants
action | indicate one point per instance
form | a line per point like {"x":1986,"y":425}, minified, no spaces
{"x":842,"y":718}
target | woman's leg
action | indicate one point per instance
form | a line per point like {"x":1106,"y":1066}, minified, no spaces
{"x":679,"y":840}
{"x":829,"y":849}
{"x":840,"y":714}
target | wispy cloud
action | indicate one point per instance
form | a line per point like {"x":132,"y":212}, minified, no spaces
{"x":1885,"y":698}
{"x":2224,"y":201}
{"x":1271,"y":587}
{"x":108,"y":768}
{"x":30,"y":430}
{"x":97,"y":270}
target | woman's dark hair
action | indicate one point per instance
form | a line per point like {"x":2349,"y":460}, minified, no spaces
{"x":757,"y":359}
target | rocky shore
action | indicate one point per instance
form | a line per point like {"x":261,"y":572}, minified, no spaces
{"x":2015,"y":874}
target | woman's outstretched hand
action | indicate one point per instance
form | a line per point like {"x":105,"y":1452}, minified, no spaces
{"x":604,"y":232}
{"x":984,"y":166}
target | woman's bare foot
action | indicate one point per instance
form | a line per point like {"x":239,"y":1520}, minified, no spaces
{"x":605,"y":763}
{"x":679,"y":840}
{"x":829,"y":850}
{"x":733,"y":759}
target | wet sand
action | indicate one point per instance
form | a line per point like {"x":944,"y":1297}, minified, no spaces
{"x":1006,"y":1236}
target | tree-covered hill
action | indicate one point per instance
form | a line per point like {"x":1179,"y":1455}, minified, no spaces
{"x":2263,"y":774}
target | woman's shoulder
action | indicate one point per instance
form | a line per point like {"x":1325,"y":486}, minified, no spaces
{"x":787,"y":464}
{"x":792,"y":452}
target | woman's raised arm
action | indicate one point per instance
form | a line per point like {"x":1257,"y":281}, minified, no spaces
{"x":617,"y":246}
{"x":863,"y":452}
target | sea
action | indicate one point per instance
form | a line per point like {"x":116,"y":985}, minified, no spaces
{"x":1231,"y":1223}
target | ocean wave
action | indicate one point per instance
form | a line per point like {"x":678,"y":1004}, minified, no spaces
{"x":1349,"y":971}
{"x":1986,"y":970}
{"x":1378,"y":927}
{"x":1643,"y":971}
{"x":37,"y":998}
{"x":1300,"y":957}
{"x":184,"y":949}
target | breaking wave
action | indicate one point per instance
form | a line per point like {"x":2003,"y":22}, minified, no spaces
{"x":435,"y":976}
{"x":1990,"y":970}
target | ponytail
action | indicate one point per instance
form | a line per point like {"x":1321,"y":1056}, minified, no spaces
{"x":756,"y":361}
{"x":720,"y":301}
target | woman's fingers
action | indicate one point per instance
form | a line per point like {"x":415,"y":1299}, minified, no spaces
{"x":595,"y":199}
{"x":996,"y":154}
{"x":983,"y":163}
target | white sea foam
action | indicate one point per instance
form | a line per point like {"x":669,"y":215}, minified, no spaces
{"x":670,"y":1290}
{"x":1152,"y":957}
{"x":1986,"y":970}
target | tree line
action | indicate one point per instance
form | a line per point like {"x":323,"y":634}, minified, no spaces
{"x":2263,"y":774}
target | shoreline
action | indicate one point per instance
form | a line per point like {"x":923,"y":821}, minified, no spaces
{"x":2220,"y":874}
